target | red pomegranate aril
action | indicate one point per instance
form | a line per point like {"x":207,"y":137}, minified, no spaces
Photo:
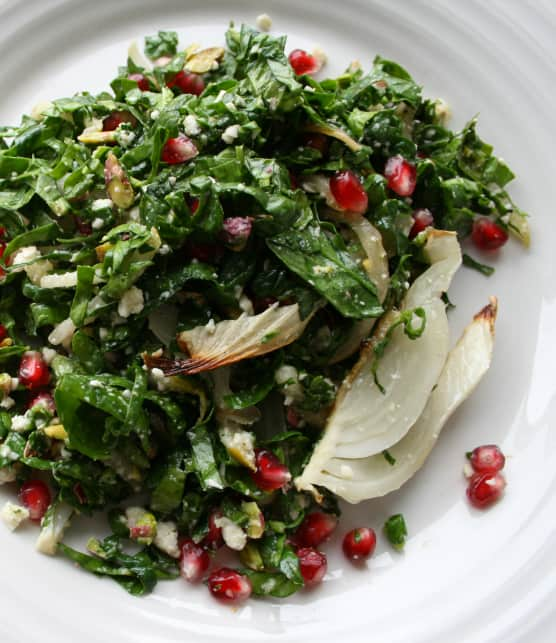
{"x":141,"y":81}
{"x":359,"y":543}
{"x":43,"y":399}
{"x":292,"y":417}
{"x":487,"y":234}
{"x":485,"y":489}
{"x":293,"y":180}
{"x":33,"y":371}
{"x":115,"y":119}
{"x":83,"y":227}
{"x":315,"y":529}
{"x":312,"y":564}
{"x":348,"y":192}
{"x":194,"y":561}
{"x":35,"y":495}
{"x":487,"y":459}
{"x":236,"y":230}
{"x":229,"y":586}
{"x":213,"y":539}
{"x":271,"y":474}
{"x":3,"y":332}
{"x":303,"y":62}
{"x":178,"y":150}
{"x":316,"y":141}
{"x":188,"y":83}
{"x":422,"y":219}
{"x":401,"y":175}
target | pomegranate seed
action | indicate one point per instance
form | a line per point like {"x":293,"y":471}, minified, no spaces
{"x":3,"y":332}
{"x":35,"y":495}
{"x":422,"y":219}
{"x":213,"y":539}
{"x":33,"y":371}
{"x":43,"y":399}
{"x":359,"y":543}
{"x":141,"y":81}
{"x":346,"y":188}
{"x":401,"y":175}
{"x":292,"y":417}
{"x":187,"y":83}
{"x":485,"y":489}
{"x":194,"y":204}
{"x":303,"y":62}
{"x":178,"y":150}
{"x":293,"y":180}
{"x":312,"y":564}
{"x":194,"y":561}
{"x":236,"y":230}
{"x":115,"y":119}
{"x":229,"y":586}
{"x":317,"y":141}
{"x":83,"y":227}
{"x":487,"y":459}
{"x":488,"y":235}
{"x":205,"y":252}
{"x":315,"y":529}
{"x":271,"y":474}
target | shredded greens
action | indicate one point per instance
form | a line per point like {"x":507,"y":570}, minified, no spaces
{"x":130,"y":217}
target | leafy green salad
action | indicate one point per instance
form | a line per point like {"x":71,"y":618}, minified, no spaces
{"x":223,"y":306}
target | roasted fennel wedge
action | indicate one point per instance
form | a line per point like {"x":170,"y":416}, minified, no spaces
{"x":364,"y":478}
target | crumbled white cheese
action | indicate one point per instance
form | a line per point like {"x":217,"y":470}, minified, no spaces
{"x":233,"y":535}
{"x":239,"y":443}
{"x":131,"y":303}
{"x":230,"y":134}
{"x":155,"y":114}
{"x":101,"y":204}
{"x":21,"y":423}
{"x":7,"y":474}
{"x":97,"y":223}
{"x":246,"y":305}
{"x":13,"y":515}
{"x":7,"y":403}
{"x":48,"y":354}
{"x":166,"y":538}
{"x":320,"y":56}
{"x":126,"y":394}
{"x":61,"y":280}
{"x":125,"y":137}
{"x":288,"y":378}
{"x":211,"y":326}
{"x":7,"y":453}
{"x":264,"y":22}
{"x":35,"y":271}
{"x":62,"y":333}
{"x":191,"y":125}
{"x":164,"y":249}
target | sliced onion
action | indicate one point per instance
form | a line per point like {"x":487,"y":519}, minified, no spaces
{"x":366,"y":421}
{"x":364,"y":478}
{"x":229,"y":341}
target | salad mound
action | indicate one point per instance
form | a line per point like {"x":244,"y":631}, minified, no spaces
{"x":223,"y":306}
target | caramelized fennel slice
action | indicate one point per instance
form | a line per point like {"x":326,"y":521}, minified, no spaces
{"x":366,"y":421}
{"x":231,"y":340}
{"x":364,"y":478}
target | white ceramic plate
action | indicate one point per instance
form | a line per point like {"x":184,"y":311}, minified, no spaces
{"x":465,"y":576}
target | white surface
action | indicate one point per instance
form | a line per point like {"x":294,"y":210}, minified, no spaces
{"x":465,"y":577}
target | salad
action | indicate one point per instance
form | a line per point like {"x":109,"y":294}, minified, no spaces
{"x":223,"y":307}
